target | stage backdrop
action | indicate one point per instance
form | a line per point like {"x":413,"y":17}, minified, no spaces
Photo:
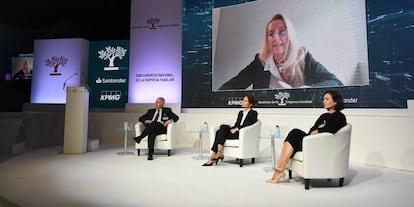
{"x":108,"y":73}
{"x":59,"y":63}
{"x":155,"y":58}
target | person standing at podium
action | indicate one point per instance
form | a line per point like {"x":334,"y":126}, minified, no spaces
{"x":156,"y":121}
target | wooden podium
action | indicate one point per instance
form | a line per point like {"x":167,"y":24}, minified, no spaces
{"x":76,"y":120}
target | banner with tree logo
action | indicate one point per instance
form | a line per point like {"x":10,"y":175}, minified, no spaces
{"x":59,"y":63}
{"x":108,"y":73}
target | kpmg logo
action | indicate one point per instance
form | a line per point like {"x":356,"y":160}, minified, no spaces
{"x":234,"y":101}
{"x":55,"y":62}
{"x":111,"y":95}
{"x":111,"y":53}
{"x":282,"y":97}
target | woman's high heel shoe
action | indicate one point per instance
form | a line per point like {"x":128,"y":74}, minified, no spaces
{"x":279,"y":169}
{"x":277,"y":179}
{"x":208,"y":163}
{"x":220,"y":156}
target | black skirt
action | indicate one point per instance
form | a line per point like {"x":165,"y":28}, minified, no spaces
{"x":295,"y":138}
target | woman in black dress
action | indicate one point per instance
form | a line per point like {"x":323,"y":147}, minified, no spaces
{"x":331,"y":122}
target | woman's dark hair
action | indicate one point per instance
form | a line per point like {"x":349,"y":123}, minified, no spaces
{"x":337,"y":97}
{"x":252,"y":100}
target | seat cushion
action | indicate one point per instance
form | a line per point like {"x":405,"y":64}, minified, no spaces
{"x":231,"y":143}
{"x":298,"y":156}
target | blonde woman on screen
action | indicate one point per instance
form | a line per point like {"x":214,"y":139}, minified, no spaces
{"x":24,"y":73}
{"x":281,"y":64}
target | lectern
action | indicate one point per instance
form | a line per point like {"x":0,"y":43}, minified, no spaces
{"x":76,"y":120}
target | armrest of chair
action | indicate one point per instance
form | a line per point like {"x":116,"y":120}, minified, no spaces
{"x":139,"y":128}
{"x":317,"y":145}
{"x":326,"y":152}
{"x":250,"y":135}
{"x":324,"y":145}
{"x":171,"y":130}
{"x":318,"y":153}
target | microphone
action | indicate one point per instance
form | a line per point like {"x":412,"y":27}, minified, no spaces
{"x":64,"y":83}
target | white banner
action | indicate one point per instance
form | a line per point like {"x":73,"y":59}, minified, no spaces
{"x":58,"y":63}
{"x":155,"y":46}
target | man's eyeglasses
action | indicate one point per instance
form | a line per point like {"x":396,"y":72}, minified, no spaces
{"x":279,"y":33}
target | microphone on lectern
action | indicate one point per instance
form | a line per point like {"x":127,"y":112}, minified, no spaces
{"x":64,"y":83}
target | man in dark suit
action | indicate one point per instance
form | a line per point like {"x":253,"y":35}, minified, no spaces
{"x":156,"y":121}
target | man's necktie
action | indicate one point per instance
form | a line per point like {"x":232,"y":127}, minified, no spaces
{"x":157,"y":115}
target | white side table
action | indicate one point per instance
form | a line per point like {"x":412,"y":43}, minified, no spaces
{"x":125,"y":152}
{"x":200,"y":145}
{"x":276,"y":145}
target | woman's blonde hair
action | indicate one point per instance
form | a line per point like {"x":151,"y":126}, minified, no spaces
{"x":294,"y":58}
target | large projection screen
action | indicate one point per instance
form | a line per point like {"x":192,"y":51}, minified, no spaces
{"x":334,"y":34}
{"x":365,"y":44}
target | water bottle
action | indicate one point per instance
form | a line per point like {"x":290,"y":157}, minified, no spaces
{"x":277,"y":131}
{"x":204,"y":127}
{"x":126,"y":125}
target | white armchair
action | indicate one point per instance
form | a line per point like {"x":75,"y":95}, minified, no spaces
{"x":247,"y":146}
{"x":323,"y":156}
{"x":162,"y":141}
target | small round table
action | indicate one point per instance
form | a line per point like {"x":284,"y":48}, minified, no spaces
{"x":274,"y":143}
{"x":125,"y":152}
{"x":200,"y":145}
